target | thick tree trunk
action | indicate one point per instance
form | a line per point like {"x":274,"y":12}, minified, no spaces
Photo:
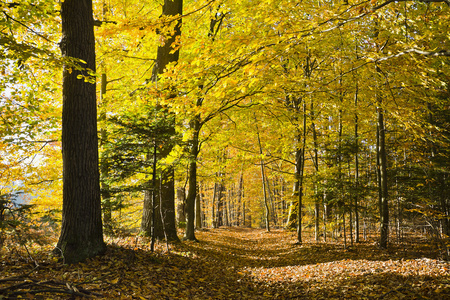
{"x":81,"y":232}
{"x":165,"y":55}
{"x":151,"y":224}
{"x":291,"y":222}
{"x":146,"y":221}
{"x":167,"y":206}
{"x":181,"y":208}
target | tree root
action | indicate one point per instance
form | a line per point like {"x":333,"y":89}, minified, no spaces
{"x":30,"y":286}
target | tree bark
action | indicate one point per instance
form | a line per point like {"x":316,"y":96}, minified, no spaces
{"x":300,"y":179}
{"x":198,"y":209}
{"x":356,"y":169}
{"x":263,"y":178}
{"x":81,"y":232}
{"x":239,"y":199}
{"x":166,"y":55}
{"x":107,"y":205}
{"x":192,"y":190}
{"x":167,"y":206}
{"x":316,"y":171}
{"x":384,"y":232}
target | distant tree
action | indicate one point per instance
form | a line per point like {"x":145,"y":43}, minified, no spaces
{"x":81,"y":233}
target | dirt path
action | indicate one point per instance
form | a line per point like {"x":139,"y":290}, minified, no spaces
{"x":271,"y":265}
{"x":235,"y":263}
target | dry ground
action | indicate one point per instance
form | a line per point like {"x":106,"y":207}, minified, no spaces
{"x":230,"y":263}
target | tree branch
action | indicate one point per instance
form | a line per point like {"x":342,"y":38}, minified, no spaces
{"x":424,"y":1}
{"x":417,"y":51}
{"x":100,"y":23}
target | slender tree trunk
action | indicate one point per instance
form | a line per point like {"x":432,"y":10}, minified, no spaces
{"x":104,"y":167}
{"x":384,"y":233}
{"x":154,"y":195}
{"x":243,"y":213}
{"x":378,"y":169}
{"x":350,"y":223}
{"x":263,"y":177}
{"x":356,"y":156}
{"x":192,"y":191}
{"x":343,"y":225}
{"x":198,"y":210}
{"x":239,"y":198}
{"x":356,"y":173}
{"x":272,"y":200}
{"x":81,"y":232}
{"x":220,"y":202}
{"x":213,"y":210}
{"x":325,"y":215}
{"x":316,"y":171}
{"x":300,"y":179}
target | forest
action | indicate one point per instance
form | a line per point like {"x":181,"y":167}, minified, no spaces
{"x":218,"y":149}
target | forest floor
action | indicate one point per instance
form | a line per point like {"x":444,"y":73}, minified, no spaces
{"x":231,"y":263}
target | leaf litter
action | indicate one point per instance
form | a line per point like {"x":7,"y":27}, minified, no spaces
{"x":231,"y":263}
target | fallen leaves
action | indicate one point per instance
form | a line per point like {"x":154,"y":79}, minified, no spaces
{"x":233,"y":263}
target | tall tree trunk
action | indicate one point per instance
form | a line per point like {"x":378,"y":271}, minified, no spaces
{"x":316,"y":171}
{"x":220,"y":201}
{"x":151,"y":222}
{"x":378,"y":169}
{"x":104,"y":167}
{"x":384,"y":232}
{"x":300,"y":179}
{"x":263,"y":178}
{"x":356,"y":169}
{"x":325,"y":216}
{"x":192,"y":190}
{"x":291,"y":223}
{"x":81,"y":232}
{"x":154,"y":195}
{"x":165,"y":55}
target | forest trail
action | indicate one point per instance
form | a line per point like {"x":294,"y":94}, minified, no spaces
{"x":234,"y":263}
